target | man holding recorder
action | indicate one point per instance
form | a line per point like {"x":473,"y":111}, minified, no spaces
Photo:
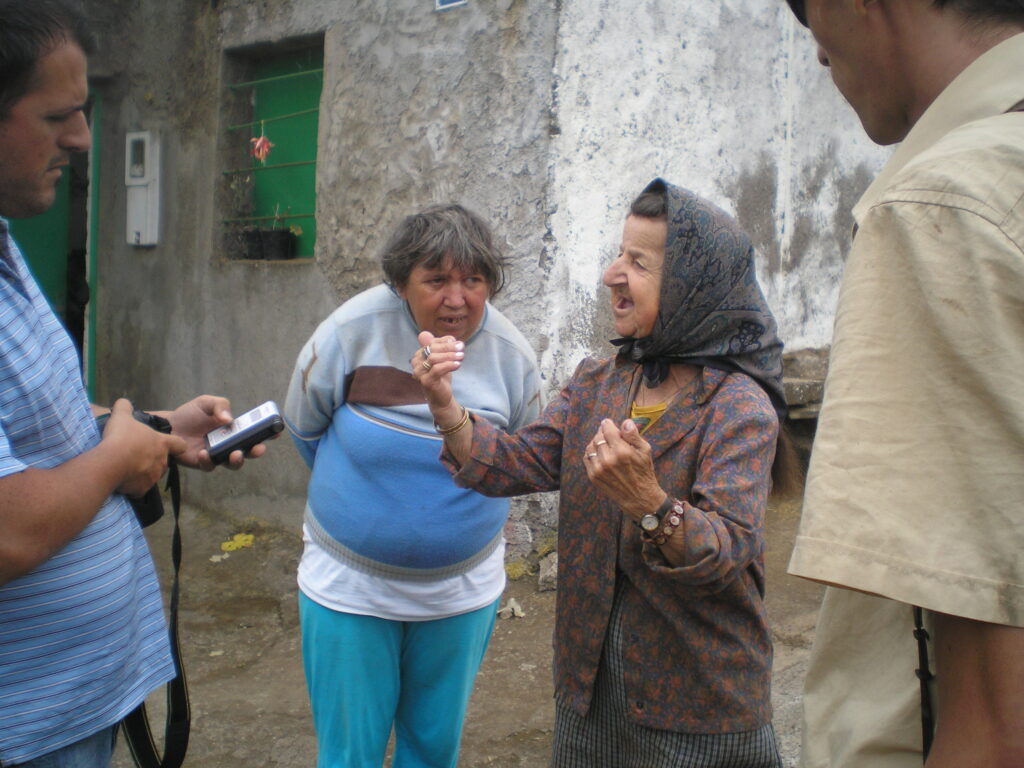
{"x":82,"y":633}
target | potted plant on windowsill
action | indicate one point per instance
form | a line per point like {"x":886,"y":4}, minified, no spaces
{"x":278,"y":242}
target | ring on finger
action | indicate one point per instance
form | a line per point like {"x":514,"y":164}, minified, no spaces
{"x":427,"y":365}
{"x":601,"y":442}
{"x":426,"y":352}
{"x":591,"y":455}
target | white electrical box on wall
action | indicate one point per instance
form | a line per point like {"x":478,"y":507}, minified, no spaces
{"x":142,"y":178}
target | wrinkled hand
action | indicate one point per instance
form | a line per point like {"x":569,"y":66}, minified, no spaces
{"x":619,"y":464}
{"x":434,"y":373}
{"x":193,"y":420}
{"x":142,"y":451}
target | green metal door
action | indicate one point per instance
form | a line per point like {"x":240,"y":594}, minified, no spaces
{"x":44,"y":242}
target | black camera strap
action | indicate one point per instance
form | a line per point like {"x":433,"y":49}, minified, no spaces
{"x":135,"y":725}
{"x":925,"y":676}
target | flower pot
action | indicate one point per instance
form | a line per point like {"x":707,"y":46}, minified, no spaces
{"x":277,"y":244}
{"x":252,"y":244}
{"x":269,"y":244}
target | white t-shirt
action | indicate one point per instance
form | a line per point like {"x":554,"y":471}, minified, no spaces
{"x":332,"y":584}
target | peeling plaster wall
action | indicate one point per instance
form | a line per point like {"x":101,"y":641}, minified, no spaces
{"x":421,"y":108}
{"x":545,"y":117}
{"x":726,"y":99}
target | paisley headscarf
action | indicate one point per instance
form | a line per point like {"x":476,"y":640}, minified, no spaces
{"x":712,"y":311}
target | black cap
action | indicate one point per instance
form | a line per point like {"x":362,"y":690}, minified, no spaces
{"x":797,"y":7}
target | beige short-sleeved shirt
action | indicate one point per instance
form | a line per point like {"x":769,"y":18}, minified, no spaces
{"x":916,"y":485}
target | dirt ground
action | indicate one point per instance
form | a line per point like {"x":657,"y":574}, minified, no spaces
{"x":240,"y":637}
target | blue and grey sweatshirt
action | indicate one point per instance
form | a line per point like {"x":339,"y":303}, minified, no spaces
{"x":379,"y":500}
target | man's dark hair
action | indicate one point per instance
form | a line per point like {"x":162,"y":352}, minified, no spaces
{"x":797,"y":6}
{"x":29,"y":30}
{"x":1007,"y":11}
{"x":1011,"y":11}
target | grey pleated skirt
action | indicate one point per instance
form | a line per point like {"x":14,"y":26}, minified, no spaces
{"x":606,"y":739}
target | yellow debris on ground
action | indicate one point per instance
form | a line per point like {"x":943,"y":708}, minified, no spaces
{"x":238,"y":541}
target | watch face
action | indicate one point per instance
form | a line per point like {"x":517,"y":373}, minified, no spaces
{"x":649,"y":523}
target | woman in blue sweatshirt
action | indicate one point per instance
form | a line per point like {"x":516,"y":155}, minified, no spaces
{"x":401,"y":570}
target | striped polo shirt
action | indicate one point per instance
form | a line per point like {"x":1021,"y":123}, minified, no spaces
{"x":82,"y":637}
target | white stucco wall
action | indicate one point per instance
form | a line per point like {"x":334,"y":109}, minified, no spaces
{"x":724,"y":98}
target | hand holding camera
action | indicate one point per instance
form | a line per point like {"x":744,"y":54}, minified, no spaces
{"x":142,"y":450}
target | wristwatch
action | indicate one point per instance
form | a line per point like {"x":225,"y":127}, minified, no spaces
{"x":650,"y":522}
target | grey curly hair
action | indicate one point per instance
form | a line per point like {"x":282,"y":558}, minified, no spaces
{"x":440,"y":233}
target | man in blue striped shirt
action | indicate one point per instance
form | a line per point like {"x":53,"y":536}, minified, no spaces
{"x":82,"y":632}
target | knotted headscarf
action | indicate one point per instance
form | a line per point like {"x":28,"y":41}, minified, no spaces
{"x":712,"y":311}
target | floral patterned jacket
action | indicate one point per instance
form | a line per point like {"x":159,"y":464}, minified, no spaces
{"x":698,"y":652}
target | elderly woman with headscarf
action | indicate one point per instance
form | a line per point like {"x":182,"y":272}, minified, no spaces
{"x":401,"y":571}
{"x":664,"y":457}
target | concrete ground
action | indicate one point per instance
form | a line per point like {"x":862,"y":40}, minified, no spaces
{"x":240,"y":637}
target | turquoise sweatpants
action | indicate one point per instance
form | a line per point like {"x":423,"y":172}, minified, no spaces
{"x":366,"y":674}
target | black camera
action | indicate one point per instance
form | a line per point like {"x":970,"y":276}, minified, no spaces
{"x":149,"y":507}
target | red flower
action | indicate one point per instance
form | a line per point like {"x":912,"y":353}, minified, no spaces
{"x":260,"y":148}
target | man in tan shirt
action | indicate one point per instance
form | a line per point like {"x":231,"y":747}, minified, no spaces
{"x":915,"y":494}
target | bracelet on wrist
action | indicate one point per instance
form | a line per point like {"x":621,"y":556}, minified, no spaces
{"x":463,"y":421}
{"x":668,"y":525}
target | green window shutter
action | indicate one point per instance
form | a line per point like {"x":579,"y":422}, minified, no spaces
{"x":285,"y":92}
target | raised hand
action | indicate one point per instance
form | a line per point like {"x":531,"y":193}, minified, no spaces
{"x":619,"y":464}
{"x":434,"y":373}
